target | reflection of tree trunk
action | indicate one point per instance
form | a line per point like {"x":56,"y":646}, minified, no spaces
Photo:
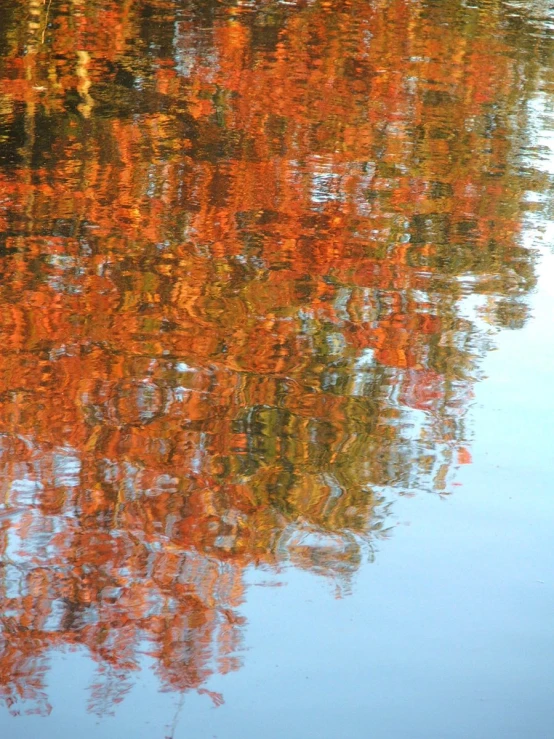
{"x":30,"y":112}
{"x":30,"y":105}
{"x":83,"y":60}
{"x":83,"y":86}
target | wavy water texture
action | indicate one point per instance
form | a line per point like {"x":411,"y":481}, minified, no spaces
{"x":252,"y":254}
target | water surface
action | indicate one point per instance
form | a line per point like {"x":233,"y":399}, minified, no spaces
{"x":275,"y":387}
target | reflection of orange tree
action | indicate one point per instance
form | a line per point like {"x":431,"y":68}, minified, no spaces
{"x":233,"y":261}
{"x":126,"y":558}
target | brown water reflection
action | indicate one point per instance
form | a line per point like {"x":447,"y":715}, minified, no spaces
{"x":242,"y":246}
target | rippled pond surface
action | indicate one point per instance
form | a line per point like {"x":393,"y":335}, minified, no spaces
{"x":277,"y":330}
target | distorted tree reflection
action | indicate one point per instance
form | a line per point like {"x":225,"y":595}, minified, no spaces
{"x":251,"y":254}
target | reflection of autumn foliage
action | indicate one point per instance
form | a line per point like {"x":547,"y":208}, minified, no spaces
{"x":236,"y":243}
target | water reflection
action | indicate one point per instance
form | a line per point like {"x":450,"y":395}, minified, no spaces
{"x":251,"y":254}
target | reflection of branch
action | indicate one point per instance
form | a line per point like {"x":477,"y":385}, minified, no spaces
{"x":217,"y":698}
{"x":46,"y":21}
{"x":180,"y":705}
{"x":10,"y":511}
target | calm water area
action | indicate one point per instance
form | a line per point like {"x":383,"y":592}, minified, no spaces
{"x":276,"y":369}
